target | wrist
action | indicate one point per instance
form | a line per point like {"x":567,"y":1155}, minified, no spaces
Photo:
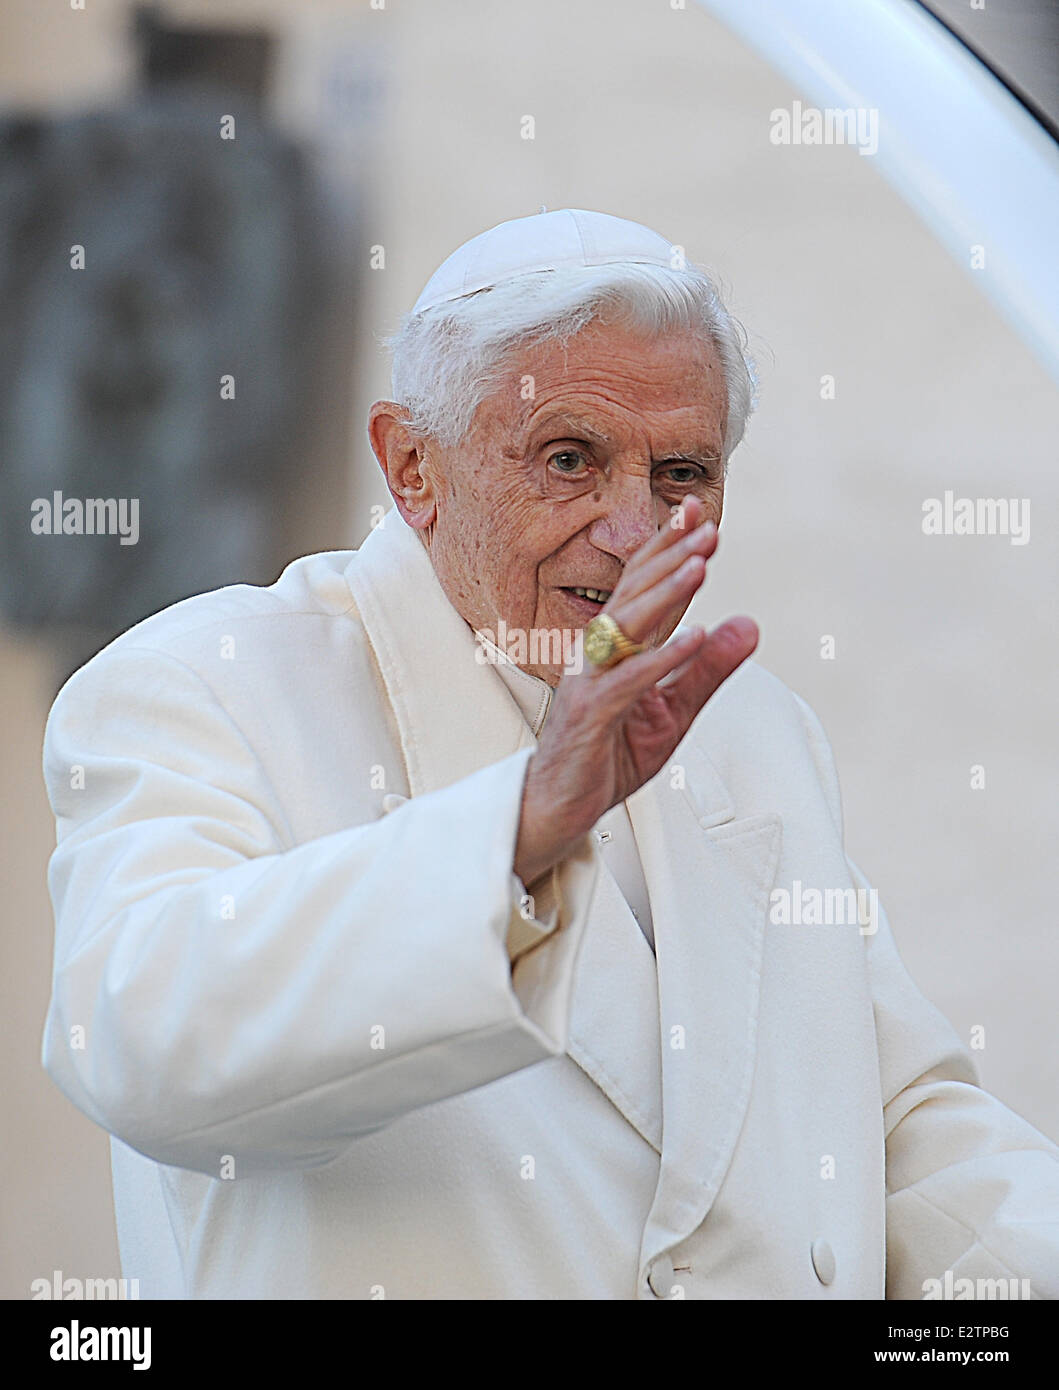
{"x":543,"y":839}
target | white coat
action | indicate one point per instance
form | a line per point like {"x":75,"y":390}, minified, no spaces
{"x":336,"y":1061}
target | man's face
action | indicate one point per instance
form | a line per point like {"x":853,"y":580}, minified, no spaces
{"x":567,"y":470}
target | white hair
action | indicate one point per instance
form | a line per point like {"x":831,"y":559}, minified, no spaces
{"x":447,"y":359}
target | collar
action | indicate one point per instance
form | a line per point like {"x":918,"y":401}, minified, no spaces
{"x":532,"y":695}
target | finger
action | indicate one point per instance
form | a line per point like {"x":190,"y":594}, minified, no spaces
{"x":621,"y":685}
{"x":639,"y":577}
{"x":668,"y":598}
{"x":709,"y":666}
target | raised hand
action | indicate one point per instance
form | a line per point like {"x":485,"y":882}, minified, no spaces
{"x":610,"y":731}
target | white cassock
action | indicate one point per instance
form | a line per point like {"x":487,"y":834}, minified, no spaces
{"x":293,"y":981}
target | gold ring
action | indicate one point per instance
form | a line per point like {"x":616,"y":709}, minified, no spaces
{"x":606,"y":644}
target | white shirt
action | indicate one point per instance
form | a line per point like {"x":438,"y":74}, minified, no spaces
{"x":613,"y":830}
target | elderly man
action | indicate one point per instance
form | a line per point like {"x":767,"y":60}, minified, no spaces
{"x":407,"y":949}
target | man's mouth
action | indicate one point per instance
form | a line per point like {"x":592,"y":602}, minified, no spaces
{"x":588,"y":600}
{"x":596,"y":595}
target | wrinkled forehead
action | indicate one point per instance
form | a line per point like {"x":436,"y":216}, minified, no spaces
{"x":607,"y":379}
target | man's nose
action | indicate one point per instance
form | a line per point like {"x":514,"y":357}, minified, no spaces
{"x":629,"y":520}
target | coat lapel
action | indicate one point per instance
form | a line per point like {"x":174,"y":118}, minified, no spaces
{"x":614,"y":1011}
{"x":453,"y":713}
{"x":709,"y":877}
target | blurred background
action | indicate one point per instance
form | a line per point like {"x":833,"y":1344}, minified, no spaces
{"x":260,"y":189}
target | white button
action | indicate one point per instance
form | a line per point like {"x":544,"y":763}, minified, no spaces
{"x":660,"y":1277}
{"x":823,"y":1261}
{"x":391,"y":801}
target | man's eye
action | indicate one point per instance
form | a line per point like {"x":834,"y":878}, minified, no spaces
{"x":567,"y":461}
{"x":682,"y":473}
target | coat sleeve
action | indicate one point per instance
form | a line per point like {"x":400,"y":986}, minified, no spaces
{"x":971,"y":1187}
{"x":222,"y":995}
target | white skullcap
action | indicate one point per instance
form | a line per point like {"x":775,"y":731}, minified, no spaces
{"x":545,"y":241}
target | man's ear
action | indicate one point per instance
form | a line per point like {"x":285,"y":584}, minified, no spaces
{"x":401,"y":456}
